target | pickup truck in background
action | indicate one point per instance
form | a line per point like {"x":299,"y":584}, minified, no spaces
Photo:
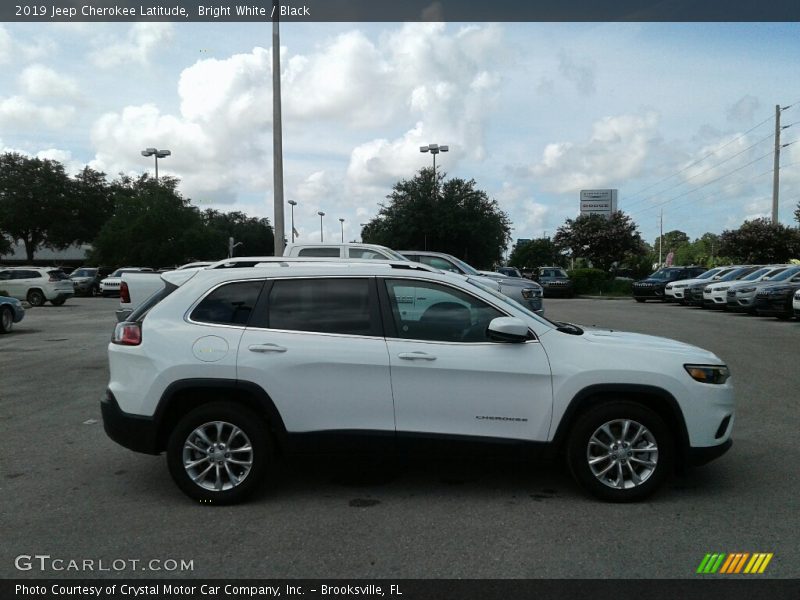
{"x":136,"y":287}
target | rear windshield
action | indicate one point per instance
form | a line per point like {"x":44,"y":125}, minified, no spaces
{"x":84,"y":273}
{"x":57,"y":275}
{"x":141,"y":311}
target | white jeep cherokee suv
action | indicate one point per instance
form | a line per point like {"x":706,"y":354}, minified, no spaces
{"x":227,"y":367}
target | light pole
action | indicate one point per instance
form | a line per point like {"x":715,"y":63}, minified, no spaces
{"x":158,"y":154}
{"x":321,"y":214}
{"x":434,"y":149}
{"x":292,"y":203}
{"x":341,"y":220}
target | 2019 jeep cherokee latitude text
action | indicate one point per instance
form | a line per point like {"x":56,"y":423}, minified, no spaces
{"x":224,"y":367}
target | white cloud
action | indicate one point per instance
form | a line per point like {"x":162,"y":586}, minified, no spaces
{"x":141,"y":42}
{"x":20,"y":111}
{"x":581,"y":73}
{"x":42,"y":82}
{"x":744,"y":109}
{"x":16,"y":51}
{"x":614,"y":153}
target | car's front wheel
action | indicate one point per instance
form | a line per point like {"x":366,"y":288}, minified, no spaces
{"x":219,"y":453}
{"x":620,"y":451}
{"x":6,"y":319}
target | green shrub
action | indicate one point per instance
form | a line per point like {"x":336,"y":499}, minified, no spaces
{"x":617,"y":287}
{"x":587,"y":281}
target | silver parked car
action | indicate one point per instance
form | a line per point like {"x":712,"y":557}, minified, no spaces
{"x":744,"y":297}
{"x":527,"y":293}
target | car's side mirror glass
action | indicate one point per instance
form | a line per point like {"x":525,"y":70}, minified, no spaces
{"x":507,"y":329}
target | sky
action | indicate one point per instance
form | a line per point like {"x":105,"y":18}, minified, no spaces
{"x":678,"y":117}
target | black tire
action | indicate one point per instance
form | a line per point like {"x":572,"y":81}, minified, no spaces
{"x":6,"y":319}
{"x":36,"y":298}
{"x":639,"y":299}
{"x":58,"y":301}
{"x":613,"y":415}
{"x":94,"y":291}
{"x":254,"y":431}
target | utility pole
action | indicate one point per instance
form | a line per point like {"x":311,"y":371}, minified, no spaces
{"x":660,"y":237}
{"x":277,"y":133}
{"x":775,"y":168}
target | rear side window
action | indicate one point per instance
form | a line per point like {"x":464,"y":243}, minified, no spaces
{"x":229,"y":304}
{"x":320,"y":252}
{"x":343,"y":306}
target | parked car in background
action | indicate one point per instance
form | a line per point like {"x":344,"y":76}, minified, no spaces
{"x":111,"y":284}
{"x":346,"y":250}
{"x":796,"y":304}
{"x":674,"y":290}
{"x":509,"y":271}
{"x":11,"y":311}
{"x":652,"y":288}
{"x":726,"y":290}
{"x":715,"y":294}
{"x":37,"y":285}
{"x":745,"y":295}
{"x":555,"y":282}
{"x":693,"y":295}
{"x":86,"y":281}
{"x":232,"y":368}
{"x":775,"y":300}
{"x":527,"y":293}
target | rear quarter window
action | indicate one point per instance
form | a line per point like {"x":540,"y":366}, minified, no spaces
{"x":229,"y":304}
{"x":320,"y":252}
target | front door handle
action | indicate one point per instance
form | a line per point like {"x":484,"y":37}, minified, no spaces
{"x":266,"y":348}
{"x":416,"y":356}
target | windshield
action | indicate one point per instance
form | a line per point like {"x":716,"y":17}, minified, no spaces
{"x":509,"y":301}
{"x":734,"y":274}
{"x":84,"y":273}
{"x":464,"y":266}
{"x":664,"y":274}
{"x":553,"y":273}
{"x":787,"y":274}
{"x":756,"y":274}
{"x":710,"y":273}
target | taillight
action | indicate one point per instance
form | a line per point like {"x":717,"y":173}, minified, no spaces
{"x":127,"y":334}
{"x":124,"y":294}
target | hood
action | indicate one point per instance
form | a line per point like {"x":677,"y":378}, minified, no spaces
{"x":653,"y":281}
{"x":649,"y":342}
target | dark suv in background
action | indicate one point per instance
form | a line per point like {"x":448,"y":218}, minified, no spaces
{"x":555,"y":282}
{"x":652,"y":288}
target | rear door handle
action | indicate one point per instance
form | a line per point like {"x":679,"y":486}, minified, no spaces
{"x":416,"y":356}
{"x":266,"y":348}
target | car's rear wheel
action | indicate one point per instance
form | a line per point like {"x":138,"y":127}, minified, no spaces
{"x":6,"y":319}
{"x":620,"y":451}
{"x":219,"y":453}
{"x":36,"y":298}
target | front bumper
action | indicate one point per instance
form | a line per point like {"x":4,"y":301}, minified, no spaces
{"x":648,"y":291}
{"x":557,"y":290}
{"x":134,"y":432}
{"x":700,"y":456}
{"x":772,"y":305}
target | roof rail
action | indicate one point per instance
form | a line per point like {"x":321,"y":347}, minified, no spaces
{"x":287,"y":261}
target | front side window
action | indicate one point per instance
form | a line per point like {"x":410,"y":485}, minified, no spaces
{"x":229,"y":304}
{"x":340,"y":306}
{"x":424,"y":310}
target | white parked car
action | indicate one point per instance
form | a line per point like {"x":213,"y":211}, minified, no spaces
{"x":110,"y":285}
{"x":226,"y":366}
{"x":37,"y":285}
{"x":675,"y":290}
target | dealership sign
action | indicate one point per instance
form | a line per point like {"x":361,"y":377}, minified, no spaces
{"x":598,"y":202}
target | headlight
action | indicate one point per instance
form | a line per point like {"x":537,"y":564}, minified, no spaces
{"x":778,"y":291}
{"x":723,"y":288}
{"x":747,"y":290}
{"x":529,"y":293}
{"x":716,"y":374}
{"x":707,"y":290}
{"x":682,"y":285}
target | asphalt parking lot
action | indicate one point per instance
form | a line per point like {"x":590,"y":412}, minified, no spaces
{"x":70,"y":492}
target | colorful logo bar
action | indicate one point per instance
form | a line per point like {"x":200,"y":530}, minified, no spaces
{"x":738,"y":562}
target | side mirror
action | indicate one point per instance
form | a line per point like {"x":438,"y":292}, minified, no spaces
{"x":507,"y":329}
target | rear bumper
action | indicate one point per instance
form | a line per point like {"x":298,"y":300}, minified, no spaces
{"x":700,"y":456}
{"x":134,"y":432}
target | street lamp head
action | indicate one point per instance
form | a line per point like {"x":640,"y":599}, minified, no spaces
{"x":444,"y":148}
{"x":423,"y":148}
{"x":292,"y":202}
{"x":163,"y":153}
{"x":341,"y":220}
{"x":148,"y":151}
{"x":321,"y":214}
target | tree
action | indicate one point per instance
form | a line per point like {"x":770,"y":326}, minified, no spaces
{"x":603,"y":241}
{"x":541,"y":252}
{"x":34,"y":202}
{"x":760,"y":241}
{"x":797,"y":213}
{"x":153,"y":225}
{"x":255,"y":235}
{"x":451,"y":216}
{"x":672,"y":241}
